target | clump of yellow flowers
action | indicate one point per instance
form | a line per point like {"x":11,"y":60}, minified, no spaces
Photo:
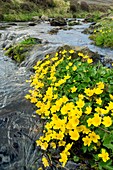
{"x":74,"y":97}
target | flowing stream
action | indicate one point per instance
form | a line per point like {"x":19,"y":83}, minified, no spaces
{"x":13,"y":86}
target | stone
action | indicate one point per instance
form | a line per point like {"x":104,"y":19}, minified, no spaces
{"x":74,"y":5}
{"x":59,"y":21}
{"x":84,"y":6}
{"x":35,"y":18}
{"x":44,"y":18}
{"x":31,"y":23}
{"x":74,"y":22}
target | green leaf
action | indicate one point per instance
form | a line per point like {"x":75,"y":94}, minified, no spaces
{"x":106,"y":165}
{"x":76,"y":158}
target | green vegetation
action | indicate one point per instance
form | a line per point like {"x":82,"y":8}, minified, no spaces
{"x":24,"y":11}
{"x":91,"y":17}
{"x":19,"y":51}
{"x":103,"y":35}
{"x":74,"y":98}
{"x":29,"y":41}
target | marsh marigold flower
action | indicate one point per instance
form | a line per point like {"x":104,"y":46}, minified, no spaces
{"x":74,"y":135}
{"x":104,"y":155}
{"x":96,"y":120}
{"x":73,"y":89}
{"x":107,"y":121}
{"x":94,"y":137}
{"x":80,"y":103}
{"x":88,"y":110}
{"x":87,"y":141}
{"x":89,"y":60}
{"x":45,"y":161}
{"x":99,"y":101}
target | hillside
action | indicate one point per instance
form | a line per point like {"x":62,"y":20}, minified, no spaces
{"x":21,"y":10}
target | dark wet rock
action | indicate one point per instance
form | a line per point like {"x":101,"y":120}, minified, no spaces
{"x":74,"y":5}
{"x":32,"y":23}
{"x":12,"y":24}
{"x":59,"y":21}
{"x":18,"y":148}
{"x":88,"y":31}
{"x":37,"y":53}
{"x":74,"y":22}
{"x":53,"y":31}
{"x":84,"y":6}
{"x":7,"y":44}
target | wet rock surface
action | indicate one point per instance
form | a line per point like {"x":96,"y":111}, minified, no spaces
{"x":58,"y":22}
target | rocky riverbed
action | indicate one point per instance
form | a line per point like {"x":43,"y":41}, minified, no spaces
{"x":19,"y":129}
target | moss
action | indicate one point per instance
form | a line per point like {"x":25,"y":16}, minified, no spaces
{"x":20,"y":51}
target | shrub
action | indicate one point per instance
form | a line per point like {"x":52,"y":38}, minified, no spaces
{"x":74,"y":98}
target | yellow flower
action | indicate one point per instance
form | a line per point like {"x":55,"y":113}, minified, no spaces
{"x":88,"y":110}
{"x":27,"y":96}
{"x":60,"y":136}
{"x":63,"y":158}
{"x":45,"y":161}
{"x":104,"y":155}
{"x":44,"y":145}
{"x":87,"y":141}
{"x":74,"y":135}
{"x":99,"y":101}
{"x":107,"y":121}
{"x":80,"y":54}
{"x":80,"y":103}
{"x":67,"y":77}
{"x":94,"y":137}
{"x":100,"y":85}
{"x":98,"y":90}
{"x":81,"y":96}
{"x":89,"y":60}
{"x":40,"y":168}
{"x":90,"y":121}
{"x":89,"y":92}
{"x":110,"y":107}
{"x":71,"y":51}
{"x":74,"y":68}
{"x":61,"y":143}
{"x":85,"y":56}
{"x":111,"y":96}
{"x":67,"y":67}
{"x":96,"y":120}
{"x":53,"y":145}
{"x":70,"y":64}
{"x":73,"y":89}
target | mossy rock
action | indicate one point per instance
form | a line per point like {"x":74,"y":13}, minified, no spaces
{"x":20,"y":51}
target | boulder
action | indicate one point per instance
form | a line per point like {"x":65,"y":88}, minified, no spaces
{"x":74,"y":5}
{"x":31,"y":23}
{"x":74,"y":22}
{"x":59,"y":21}
{"x":44,"y":18}
{"x":84,"y":6}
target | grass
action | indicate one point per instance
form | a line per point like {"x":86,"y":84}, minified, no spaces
{"x":103,"y":34}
